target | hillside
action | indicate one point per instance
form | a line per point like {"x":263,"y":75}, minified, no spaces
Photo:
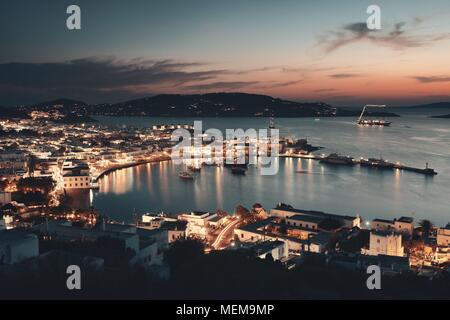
{"x":214,"y":105}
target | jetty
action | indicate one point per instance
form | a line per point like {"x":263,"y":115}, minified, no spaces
{"x":371,"y":163}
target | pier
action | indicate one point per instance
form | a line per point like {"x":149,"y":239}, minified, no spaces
{"x":372,"y":163}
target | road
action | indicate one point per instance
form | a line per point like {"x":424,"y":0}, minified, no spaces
{"x":223,"y":232}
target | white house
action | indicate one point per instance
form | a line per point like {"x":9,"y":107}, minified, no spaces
{"x":386,"y":243}
{"x":5,"y":198}
{"x":287,"y":211}
{"x":199,"y":222}
{"x":404,"y":225}
{"x":276,"y":248}
{"x":6,"y":222}
{"x":443,"y":236}
{"x":76,"y":175}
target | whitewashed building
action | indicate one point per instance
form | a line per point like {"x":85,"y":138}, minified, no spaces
{"x":76,"y":175}
{"x":443,"y":236}
{"x":404,"y":225}
{"x":5,"y":198}
{"x":199,"y":222}
{"x":385,"y":243}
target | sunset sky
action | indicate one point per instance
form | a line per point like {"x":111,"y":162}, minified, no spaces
{"x":293,"y":49}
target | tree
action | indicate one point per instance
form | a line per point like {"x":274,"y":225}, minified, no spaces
{"x":31,"y":165}
{"x":221,"y":213}
{"x":330,"y":224}
{"x":182,"y":251}
{"x":241,"y":211}
{"x":3,"y":184}
{"x":426,"y":225}
{"x":283,"y":227}
{"x":269,"y":257}
{"x":257,"y":205}
{"x":40,"y":184}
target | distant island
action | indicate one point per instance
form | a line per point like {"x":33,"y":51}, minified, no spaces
{"x":435,"y":105}
{"x":445,"y":116}
{"x":192,"y":105}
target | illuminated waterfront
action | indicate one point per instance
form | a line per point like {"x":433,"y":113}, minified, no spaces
{"x":412,"y":139}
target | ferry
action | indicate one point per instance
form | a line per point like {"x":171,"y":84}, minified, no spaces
{"x":372,"y":122}
{"x":377,"y":163}
{"x":375,"y":122}
{"x":335,"y":158}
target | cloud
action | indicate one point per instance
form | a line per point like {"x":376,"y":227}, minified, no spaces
{"x":94,"y":78}
{"x":397,"y":37}
{"x":344,"y":75}
{"x":325,"y":90}
{"x":99,"y":73}
{"x":222,"y":85}
{"x":280,"y":84}
{"x":432,"y":79}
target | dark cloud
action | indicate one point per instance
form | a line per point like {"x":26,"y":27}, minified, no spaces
{"x":96,"y":78}
{"x":397,"y":37}
{"x":344,"y":75}
{"x":432,"y":79}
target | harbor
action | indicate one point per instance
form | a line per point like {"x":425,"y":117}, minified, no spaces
{"x":336,"y":159}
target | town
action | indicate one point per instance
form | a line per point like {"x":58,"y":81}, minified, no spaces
{"x":42,"y":161}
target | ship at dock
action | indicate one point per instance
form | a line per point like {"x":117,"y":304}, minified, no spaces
{"x":335,"y":158}
{"x":377,"y":163}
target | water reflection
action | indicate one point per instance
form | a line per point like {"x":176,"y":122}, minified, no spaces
{"x":349,"y":190}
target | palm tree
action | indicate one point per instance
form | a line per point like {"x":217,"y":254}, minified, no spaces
{"x":426,"y":225}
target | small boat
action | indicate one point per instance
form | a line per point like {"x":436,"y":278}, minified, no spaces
{"x":271,"y":123}
{"x":239,"y":169}
{"x":194,"y":168}
{"x":186,"y":175}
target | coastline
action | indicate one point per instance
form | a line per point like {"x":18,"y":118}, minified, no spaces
{"x":129,"y":165}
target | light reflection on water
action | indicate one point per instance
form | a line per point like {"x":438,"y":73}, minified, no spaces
{"x":350,"y":190}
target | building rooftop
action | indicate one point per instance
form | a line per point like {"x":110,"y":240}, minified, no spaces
{"x":306,"y":218}
{"x":383,"y":220}
{"x":289,"y":208}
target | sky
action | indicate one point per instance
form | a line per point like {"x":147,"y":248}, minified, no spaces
{"x":293,"y":49}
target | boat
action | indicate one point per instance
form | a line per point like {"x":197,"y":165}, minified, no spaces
{"x":372,"y":122}
{"x":377,"y":163}
{"x":271,"y":123}
{"x":239,"y":169}
{"x":194,"y":168}
{"x":335,"y":158}
{"x":186,"y":175}
{"x":375,"y":122}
